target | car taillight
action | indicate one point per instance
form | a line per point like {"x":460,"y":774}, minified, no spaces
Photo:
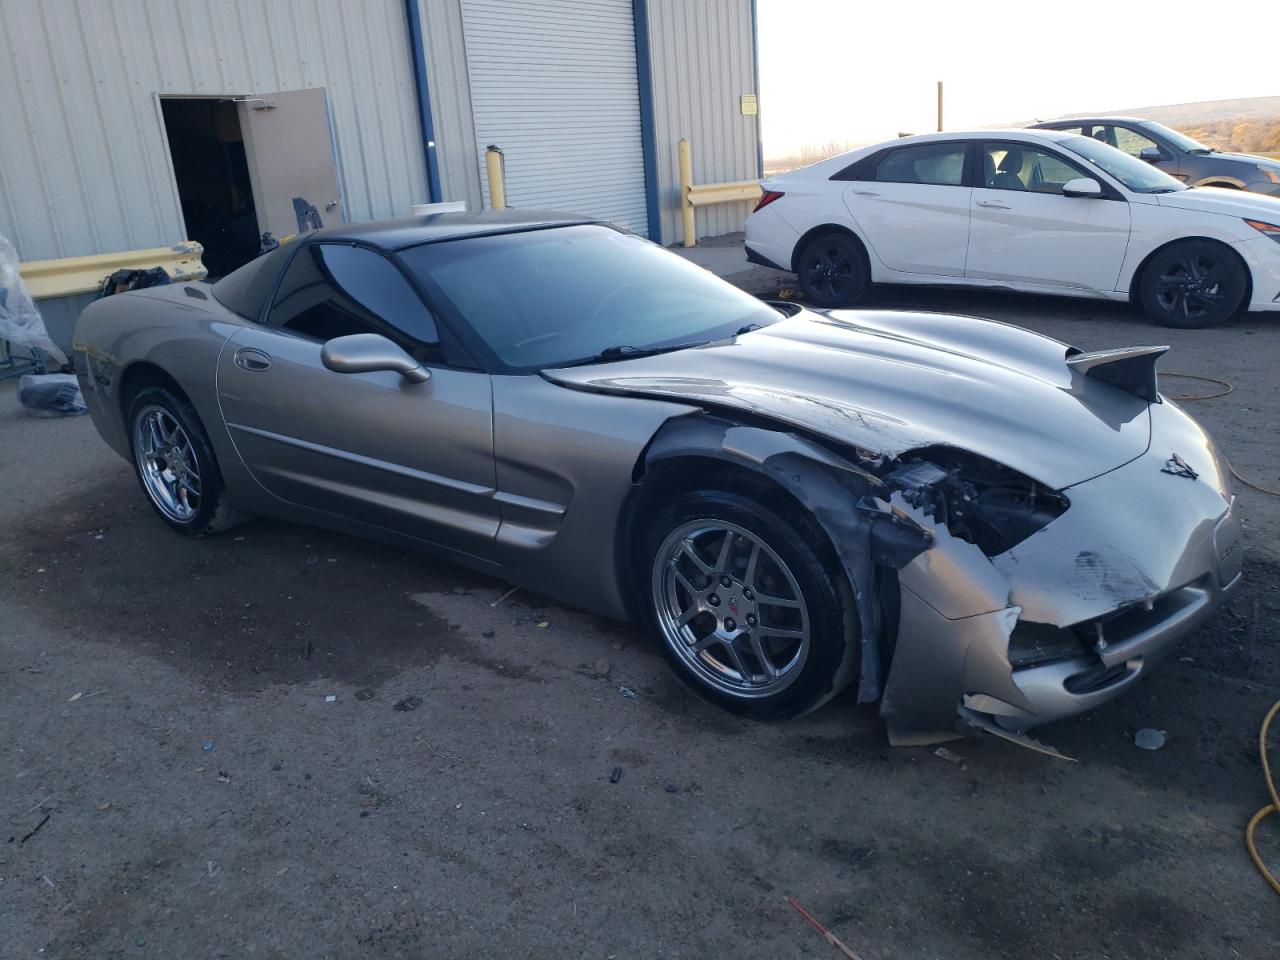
{"x":767,"y":198}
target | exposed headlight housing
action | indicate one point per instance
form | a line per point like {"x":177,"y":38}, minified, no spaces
{"x":990,"y":505}
{"x":1269,"y":229}
{"x":1271,"y":174}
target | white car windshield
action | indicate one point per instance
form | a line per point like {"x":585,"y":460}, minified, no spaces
{"x":548,"y":298}
{"x":1138,"y":175}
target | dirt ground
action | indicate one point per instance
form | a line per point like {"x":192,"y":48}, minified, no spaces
{"x":285,"y":743}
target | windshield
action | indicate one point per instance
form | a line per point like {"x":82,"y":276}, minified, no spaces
{"x":1179,"y":140}
{"x":1138,"y":175}
{"x":546,"y":298}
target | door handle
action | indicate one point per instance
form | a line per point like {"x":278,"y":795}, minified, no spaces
{"x":994,"y":204}
{"x":248,"y":358}
{"x":867,"y":193}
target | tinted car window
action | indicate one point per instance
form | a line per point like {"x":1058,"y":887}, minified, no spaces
{"x":933,"y":163}
{"x":1138,"y":175}
{"x":1016,"y":166}
{"x":332,"y":290}
{"x":1131,"y":141}
{"x":245,"y":291}
{"x":543,"y":298}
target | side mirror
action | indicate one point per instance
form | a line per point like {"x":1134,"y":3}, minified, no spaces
{"x":370,"y":352}
{"x":1151,"y":154}
{"x":1082,"y":187}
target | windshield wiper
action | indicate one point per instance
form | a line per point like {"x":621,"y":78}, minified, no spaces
{"x":626,"y":351}
{"x":746,"y":328}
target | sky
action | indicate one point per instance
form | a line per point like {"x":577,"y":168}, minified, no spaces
{"x":859,"y":71}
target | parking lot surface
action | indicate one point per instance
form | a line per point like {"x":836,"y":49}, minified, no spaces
{"x":280,"y":742}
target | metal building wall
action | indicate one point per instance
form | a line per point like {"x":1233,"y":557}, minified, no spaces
{"x":451,"y":102}
{"x":84,"y":164}
{"x":703,"y":56}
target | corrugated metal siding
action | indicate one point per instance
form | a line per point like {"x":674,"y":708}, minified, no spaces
{"x":451,"y":102}
{"x":553,"y":83}
{"x":703,"y":56}
{"x":84,"y":164}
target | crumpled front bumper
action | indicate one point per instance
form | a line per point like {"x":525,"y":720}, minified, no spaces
{"x":1143,"y":554}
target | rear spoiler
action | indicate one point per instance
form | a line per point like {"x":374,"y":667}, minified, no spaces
{"x":1132,"y":369}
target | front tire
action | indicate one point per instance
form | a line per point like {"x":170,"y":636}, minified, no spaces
{"x":751,"y":615}
{"x":176,"y":466}
{"x":832,"y":270}
{"x":1193,"y":284}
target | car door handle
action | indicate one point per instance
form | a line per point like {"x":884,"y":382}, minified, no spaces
{"x":250,"y":359}
{"x":994,"y":204}
{"x":867,"y":193}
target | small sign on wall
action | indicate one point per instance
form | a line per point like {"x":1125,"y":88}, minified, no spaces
{"x":748,"y":104}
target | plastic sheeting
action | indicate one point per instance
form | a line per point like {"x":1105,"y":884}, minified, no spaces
{"x":20,"y":321}
{"x":51,"y":395}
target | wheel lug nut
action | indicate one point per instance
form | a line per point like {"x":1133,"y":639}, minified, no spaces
{"x":748,"y":595}
{"x":726,"y":582}
{"x":751,"y":620}
{"x":713,"y":600}
{"x":730,"y":624}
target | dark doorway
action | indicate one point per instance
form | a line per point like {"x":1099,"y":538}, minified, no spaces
{"x":213,"y":179}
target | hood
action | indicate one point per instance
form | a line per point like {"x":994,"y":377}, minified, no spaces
{"x":887,"y":382}
{"x":1247,"y":158}
{"x":1235,"y":203}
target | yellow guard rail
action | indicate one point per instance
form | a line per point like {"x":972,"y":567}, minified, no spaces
{"x":71,"y":275}
{"x":700,"y":195}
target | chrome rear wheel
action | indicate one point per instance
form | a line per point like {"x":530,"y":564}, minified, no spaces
{"x":167,"y":463}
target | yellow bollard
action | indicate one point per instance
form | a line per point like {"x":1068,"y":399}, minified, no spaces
{"x":686,"y":184}
{"x":493,"y":161}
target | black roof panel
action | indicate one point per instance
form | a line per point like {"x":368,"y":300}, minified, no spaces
{"x":409,"y":231}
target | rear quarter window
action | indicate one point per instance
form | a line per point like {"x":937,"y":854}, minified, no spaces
{"x":245,"y":291}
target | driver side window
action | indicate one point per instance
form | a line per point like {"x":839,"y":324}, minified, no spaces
{"x":333,"y":290}
{"x":1015,"y":166}
{"x":1130,"y":141}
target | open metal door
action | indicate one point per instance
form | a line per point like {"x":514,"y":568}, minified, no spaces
{"x":288,"y":144}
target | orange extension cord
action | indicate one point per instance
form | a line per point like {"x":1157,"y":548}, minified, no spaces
{"x":1270,"y":808}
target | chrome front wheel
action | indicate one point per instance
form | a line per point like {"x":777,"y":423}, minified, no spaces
{"x":167,"y":463}
{"x":730,"y":609}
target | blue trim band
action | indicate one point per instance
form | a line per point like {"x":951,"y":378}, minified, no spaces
{"x":418,"y":42}
{"x":755,"y":62}
{"x":648,"y":127}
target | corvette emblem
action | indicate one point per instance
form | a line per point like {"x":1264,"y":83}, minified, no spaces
{"x":733,"y":604}
{"x":1178,"y":467}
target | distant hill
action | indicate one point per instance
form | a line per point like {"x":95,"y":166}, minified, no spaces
{"x":1205,"y":111}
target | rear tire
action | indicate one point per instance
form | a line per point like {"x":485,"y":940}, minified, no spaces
{"x":1193,"y":284}
{"x":832,"y":270}
{"x":765,"y":627}
{"x":175,"y":465}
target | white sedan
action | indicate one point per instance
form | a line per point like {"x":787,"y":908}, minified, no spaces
{"x":1038,"y":211}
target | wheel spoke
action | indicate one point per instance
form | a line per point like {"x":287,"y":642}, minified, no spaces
{"x":689,"y":614}
{"x":726,"y":549}
{"x":682,"y":579}
{"x":766,"y":661}
{"x":691,"y":552}
{"x":749,"y":578}
{"x":710,"y":640}
{"x":736,"y":656}
{"x":785,"y":634}
{"x":765,"y":600}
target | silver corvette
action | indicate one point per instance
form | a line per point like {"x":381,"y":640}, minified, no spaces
{"x":980,"y":527}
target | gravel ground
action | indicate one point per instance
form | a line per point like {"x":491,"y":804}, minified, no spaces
{"x":281,"y":742}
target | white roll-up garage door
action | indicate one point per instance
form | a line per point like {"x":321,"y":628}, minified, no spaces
{"x":553,"y":83}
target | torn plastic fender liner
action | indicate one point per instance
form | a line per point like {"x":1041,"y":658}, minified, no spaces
{"x":837,"y":492}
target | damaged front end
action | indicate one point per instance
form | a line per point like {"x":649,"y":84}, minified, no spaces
{"x":988,"y":601}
